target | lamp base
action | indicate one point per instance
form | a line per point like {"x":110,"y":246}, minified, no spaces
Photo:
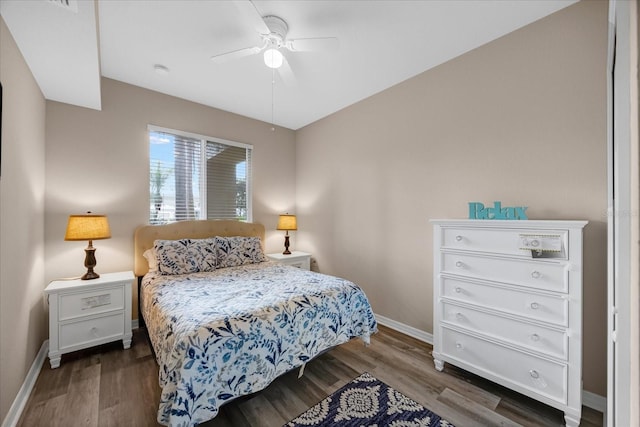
{"x":90,"y":275}
{"x":286,"y":245}
{"x":90,"y":262}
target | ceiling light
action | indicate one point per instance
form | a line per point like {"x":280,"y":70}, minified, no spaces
{"x":273,"y":58}
{"x":161,"y":69}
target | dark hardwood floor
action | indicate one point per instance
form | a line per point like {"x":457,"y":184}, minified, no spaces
{"x":109,"y":386}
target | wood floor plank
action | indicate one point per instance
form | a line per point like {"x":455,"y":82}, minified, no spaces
{"x":285,"y":401}
{"x":313,"y":393}
{"x":81,"y":406}
{"x":480,"y":414}
{"x":50,"y":386}
{"x":107,"y":386}
{"x":481,"y":395}
{"x":50,"y":409}
{"x":260,"y":409}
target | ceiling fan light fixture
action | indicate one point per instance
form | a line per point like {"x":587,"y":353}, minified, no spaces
{"x":273,"y":58}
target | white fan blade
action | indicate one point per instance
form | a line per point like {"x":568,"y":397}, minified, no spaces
{"x":235,"y":54}
{"x":248,"y":9}
{"x":286,"y":73}
{"x":312,"y":45}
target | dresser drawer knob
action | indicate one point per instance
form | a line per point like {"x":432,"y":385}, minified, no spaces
{"x":535,"y":306}
{"x":94,"y":332}
{"x":534,"y":374}
{"x":459,"y":264}
{"x":458,"y":238}
{"x":458,"y":289}
{"x":535,"y":274}
{"x":459,"y":345}
{"x":459,"y":316}
{"x":535,"y":337}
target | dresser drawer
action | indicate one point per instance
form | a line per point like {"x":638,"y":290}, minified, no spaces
{"x":81,"y":304}
{"x":548,"y":341}
{"x":499,"y":241}
{"x":536,"y":306}
{"x":506,"y":365}
{"x":103,"y":329}
{"x":546,"y":275}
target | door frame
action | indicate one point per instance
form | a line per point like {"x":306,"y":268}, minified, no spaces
{"x":623,"y":215}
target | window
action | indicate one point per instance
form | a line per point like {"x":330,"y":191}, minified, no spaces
{"x":197,"y":177}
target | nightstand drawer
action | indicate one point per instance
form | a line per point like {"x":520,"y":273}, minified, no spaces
{"x":304,"y":264}
{"x":101,"y":329}
{"x":295,"y":259}
{"x":81,"y":304}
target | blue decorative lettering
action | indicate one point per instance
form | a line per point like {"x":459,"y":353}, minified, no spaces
{"x":477,"y":210}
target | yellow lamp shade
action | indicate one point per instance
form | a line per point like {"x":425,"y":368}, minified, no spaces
{"x":87,"y":227}
{"x":287,"y":222}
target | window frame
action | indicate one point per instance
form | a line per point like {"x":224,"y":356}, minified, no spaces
{"x":203,"y":161}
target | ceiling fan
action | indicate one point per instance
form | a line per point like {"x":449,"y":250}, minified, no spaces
{"x":273,"y":32}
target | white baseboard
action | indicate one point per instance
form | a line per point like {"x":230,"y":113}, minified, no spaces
{"x":135,"y":324}
{"x":405,"y":329}
{"x":13,"y":416}
{"x":597,"y":402}
{"x":590,"y":400}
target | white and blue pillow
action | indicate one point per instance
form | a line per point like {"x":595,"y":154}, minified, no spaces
{"x":187,"y":256}
{"x":234,"y":251}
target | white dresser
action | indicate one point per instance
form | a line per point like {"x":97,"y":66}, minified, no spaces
{"x":85,"y":313}
{"x":507,"y":301}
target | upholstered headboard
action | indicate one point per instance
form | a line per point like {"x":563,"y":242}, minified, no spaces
{"x":145,"y":235}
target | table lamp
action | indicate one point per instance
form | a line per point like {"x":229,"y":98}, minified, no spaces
{"x":88,"y":227}
{"x":287,"y":222}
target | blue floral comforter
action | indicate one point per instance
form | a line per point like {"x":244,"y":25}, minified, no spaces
{"x":230,"y":332}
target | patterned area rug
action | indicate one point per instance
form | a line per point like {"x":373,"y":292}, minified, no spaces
{"x":367,"y":401}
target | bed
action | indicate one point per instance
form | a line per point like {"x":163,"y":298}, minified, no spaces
{"x":224,"y":322}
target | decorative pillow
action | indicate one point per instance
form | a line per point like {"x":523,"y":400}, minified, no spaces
{"x":185,"y":256}
{"x":152,"y":260}
{"x":233,"y":251}
{"x":173,"y":257}
{"x":204,"y":250}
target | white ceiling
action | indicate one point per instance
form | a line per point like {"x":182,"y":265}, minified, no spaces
{"x":381,"y":44}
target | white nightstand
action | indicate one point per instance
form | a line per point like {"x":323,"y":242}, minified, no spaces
{"x":296,"y":259}
{"x":85,"y":313}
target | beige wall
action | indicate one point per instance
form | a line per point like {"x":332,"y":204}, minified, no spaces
{"x":99,"y":161}
{"x":520,"y":120}
{"x":23,"y":325}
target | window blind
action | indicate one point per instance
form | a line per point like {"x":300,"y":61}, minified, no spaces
{"x":197,"y":177}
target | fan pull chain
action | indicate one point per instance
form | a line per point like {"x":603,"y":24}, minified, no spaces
{"x":273,"y":84}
